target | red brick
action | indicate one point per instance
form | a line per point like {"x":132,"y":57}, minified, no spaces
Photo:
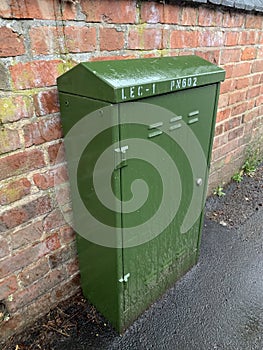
{"x":235,"y":134}
{"x":230,"y":55}
{"x":227,"y":86}
{"x":30,"y":233}
{"x":4,"y":249}
{"x":50,"y":9}
{"x":225,"y":149}
{"x":211,"y":38}
{"x":14,"y":191}
{"x":259,"y":102}
{"x":60,"y":256}
{"x":15,"y":108}
{"x":219,"y":129}
{"x":209,"y":55}
{"x":111,"y":39}
{"x":46,"y":102}
{"x":67,"y":234}
{"x":219,"y":141}
{"x":171,"y":14}
{"x":152,"y":12}
{"x":251,"y":105}
{"x":223,"y":115}
{"x":8,"y":286}
{"x":250,"y":115}
{"x":223,"y":100}
{"x":183,"y":38}
{"x":73,"y":267}
{"x":23,"y":258}
{"x":257,"y":79}
{"x":122,"y":11}
{"x":35,"y":74}
{"x":209,"y":18}
{"x":42,"y":131}
{"x":260,"y":52}
{"x":32,"y":292}
{"x":56,"y":153}
{"x":254,"y":21}
{"x":242,"y":83}
{"x":10,"y":327}
{"x":20,"y":163}
{"x":23,"y":213}
{"x":257,"y":66}
{"x":48,"y":179}
{"x":145,"y":39}
{"x":36,"y":308}
{"x":45,"y":40}
{"x":165,"y":40}
{"x":63,"y":194}
{"x":12,"y":43}
{"x":80,"y":39}
{"x":63,"y":291}
{"x":233,"y":19}
{"x":9,"y":140}
{"x":54,"y":220}
{"x":65,"y":10}
{"x":253,"y":92}
{"x":237,"y":96}
{"x":232,"y":123}
{"x":34,"y":272}
{"x":241,"y":69}
{"x":229,"y":70}
{"x":247,"y":38}
{"x":189,"y":16}
{"x":249,"y":53}
{"x":231,"y":38}
{"x":239,"y":109}
{"x":5,"y":9}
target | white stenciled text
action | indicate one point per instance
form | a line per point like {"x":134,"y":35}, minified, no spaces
{"x":183,"y":83}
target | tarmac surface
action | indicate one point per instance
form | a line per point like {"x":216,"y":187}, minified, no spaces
{"x":216,"y":305}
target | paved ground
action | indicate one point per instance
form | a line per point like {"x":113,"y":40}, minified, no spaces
{"x":217,"y":305}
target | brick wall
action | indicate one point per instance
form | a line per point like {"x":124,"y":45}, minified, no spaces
{"x":42,"y":39}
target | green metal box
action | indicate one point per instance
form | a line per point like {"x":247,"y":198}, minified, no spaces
{"x":138,"y":139}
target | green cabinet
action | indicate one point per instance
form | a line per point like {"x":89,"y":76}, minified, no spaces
{"x":138,"y":139}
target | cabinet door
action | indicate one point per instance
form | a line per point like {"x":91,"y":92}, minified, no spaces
{"x":167,"y":141}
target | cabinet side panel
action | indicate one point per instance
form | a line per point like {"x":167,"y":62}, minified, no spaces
{"x":90,"y":127}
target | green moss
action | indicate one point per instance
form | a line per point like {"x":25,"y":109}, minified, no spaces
{"x":64,"y":66}
{"x":164,"y":52}
{"x":7,"y":108}
{"x":11,"y":194}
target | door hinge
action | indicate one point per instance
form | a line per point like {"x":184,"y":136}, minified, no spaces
{"x":120,"y":157}
{"x":125,"y":278}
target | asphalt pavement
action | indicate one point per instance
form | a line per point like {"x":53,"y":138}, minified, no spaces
{"x":216,"y":305}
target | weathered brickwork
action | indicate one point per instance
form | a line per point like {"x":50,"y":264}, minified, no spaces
{"x":42,"y":39}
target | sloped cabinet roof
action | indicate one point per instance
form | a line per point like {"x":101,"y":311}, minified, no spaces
{"x":125,"y":80}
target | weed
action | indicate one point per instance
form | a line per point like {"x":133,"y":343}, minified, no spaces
{"x":254,"y":158}
{"x":249,"y":167}
{"x":219,"y":191}
{"x":238,"y":177}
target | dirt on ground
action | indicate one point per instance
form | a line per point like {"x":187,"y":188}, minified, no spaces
{"x":76,"y":320}
{"x":239,"y":202}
